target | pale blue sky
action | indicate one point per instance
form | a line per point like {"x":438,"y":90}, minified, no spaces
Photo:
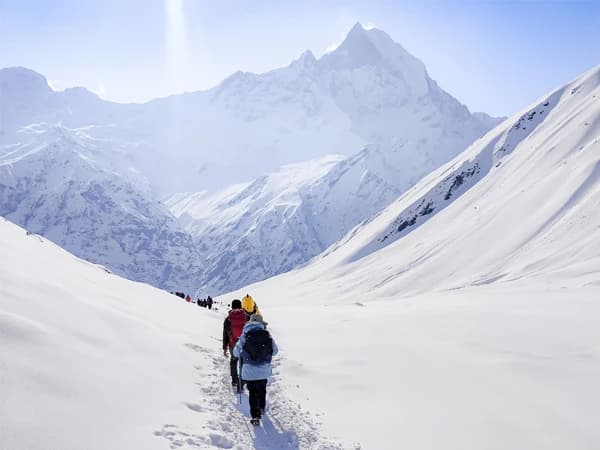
{"x":493,"y":56}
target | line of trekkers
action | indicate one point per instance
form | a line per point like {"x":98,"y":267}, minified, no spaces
{"x":204,"y":302}
{"x":246,"y":338}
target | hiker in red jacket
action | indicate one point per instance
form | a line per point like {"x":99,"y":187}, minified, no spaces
{"x":233,"y":327}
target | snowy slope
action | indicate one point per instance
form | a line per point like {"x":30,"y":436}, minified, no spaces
{"x":369,"y":100}
{"x":526,"y":195}
{"x":281,"y":220}
{"x":59,"y":183}
{"x":91,"y":360}
{"x":388,"y":99}
{"x":408,"y":342}
{"x":470,"y":305}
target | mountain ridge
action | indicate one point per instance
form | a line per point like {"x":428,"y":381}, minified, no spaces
{"x":371,"y":111}
{"x":549,"y":150}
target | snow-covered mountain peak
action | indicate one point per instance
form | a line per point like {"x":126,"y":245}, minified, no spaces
{"x":357,"y":28}
{"x":382,"y":62}
{"x":26,"y":83}
{"x":306,"y":59}
{"x":505,"y":235}
{"x":21,"y":90}
{"x":525,"y":192}
{"x":367,"y":47}
{"x":80,"y":93}
{"x":20,"y":79}
{"x":369,"y":93}
{"x":355,"y":51}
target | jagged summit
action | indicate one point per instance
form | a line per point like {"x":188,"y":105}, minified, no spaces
{"x":357,"y":50}
{"x":373,"y":48}
{"x":306,"y":59}
{"x":357,"y":28}
{"x":367,"y":46}
{"x":368,"y":92}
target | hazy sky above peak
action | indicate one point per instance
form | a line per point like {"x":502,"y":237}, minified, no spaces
{"x":494,"y":56}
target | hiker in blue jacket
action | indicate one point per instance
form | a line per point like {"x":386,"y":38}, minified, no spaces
{"x":255,"y":348}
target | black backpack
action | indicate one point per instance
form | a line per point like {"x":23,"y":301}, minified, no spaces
{"x":258,"y":348}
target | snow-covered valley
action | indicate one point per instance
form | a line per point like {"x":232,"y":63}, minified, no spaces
{"x":464,"y":315}
{"x":431,"y":275}
{"x":91,"y":360}
{"x":473,"y":329}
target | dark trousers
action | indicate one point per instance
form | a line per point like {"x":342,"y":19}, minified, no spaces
{"x":233,"y":368}
{"x":257,"y":390}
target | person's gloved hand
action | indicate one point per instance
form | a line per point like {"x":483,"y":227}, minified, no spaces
{"x":225,"y":352}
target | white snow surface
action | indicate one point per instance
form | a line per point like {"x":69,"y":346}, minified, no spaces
{"x":93,"y":361}
{"x":465,"y":315}
{"x":474,"y":327}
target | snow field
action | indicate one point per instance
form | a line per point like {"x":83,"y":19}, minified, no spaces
{"x":91,"y":360}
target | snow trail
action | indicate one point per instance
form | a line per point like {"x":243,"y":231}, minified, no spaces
{"x":224,"y":421}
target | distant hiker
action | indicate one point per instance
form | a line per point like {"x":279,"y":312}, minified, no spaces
{"x":188,"y":298}
{"x":255,"y":349}
{"x":209,"y":302}
{"x":233,"y":327}
{"x":199,"y":302}
{"x":249,"y":305}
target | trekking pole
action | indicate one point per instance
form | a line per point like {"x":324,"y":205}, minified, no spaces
{"x":240,"y":380}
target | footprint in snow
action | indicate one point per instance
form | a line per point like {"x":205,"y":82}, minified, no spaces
{"x":195,"y":407}
{"x":284,"y":426}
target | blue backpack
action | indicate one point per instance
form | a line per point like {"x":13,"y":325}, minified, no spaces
{"x":258,"y":348}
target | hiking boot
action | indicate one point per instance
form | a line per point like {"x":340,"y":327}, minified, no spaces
{"x":234,"y":382}
{"x":255,"y":421}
